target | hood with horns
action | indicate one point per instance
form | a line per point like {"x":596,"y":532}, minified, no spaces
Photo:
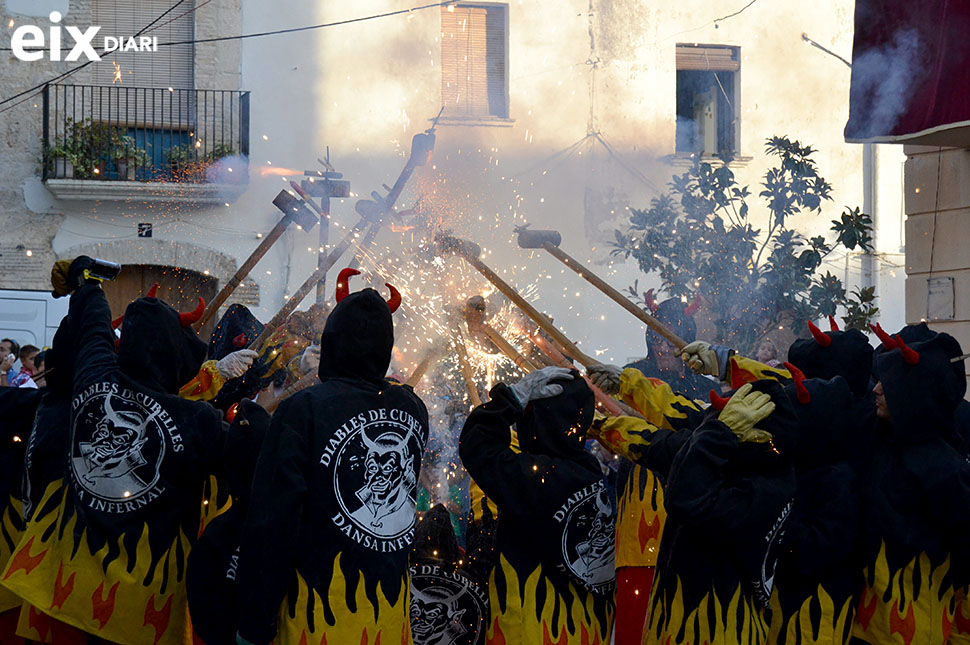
{"x":834,"y":353}
{"x":359,"y":335}
{"x":158,"y":346}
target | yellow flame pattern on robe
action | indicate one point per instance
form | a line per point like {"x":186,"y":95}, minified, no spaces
{"x":112,"y":601}
{"x":12,"y":527}
{"x":833,"y":627}
{"x":365,"y":623}
{"x":928,"y":618}
{"x":639,"y":520}
{"x":640,"y":517}
{"x":739,"y":622}
{"x":961,"y":623}
{"x":518,"y":619}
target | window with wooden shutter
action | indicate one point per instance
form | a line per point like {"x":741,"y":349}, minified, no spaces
{"x":474,"y":61}
{"x":708,"y":98}
{"x":168,"y":68}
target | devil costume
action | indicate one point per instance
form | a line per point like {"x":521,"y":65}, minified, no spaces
{"x":915,"y":498}
{"x":819,"y":574}
{"x":640,"y":511}
{"x":554,"y":578}
{"x":211,"y":573}
{"x":324,"y":554}
{"x":19,"y":406}
{"x":449,"y":588}
{"x":105,"y":548}
{"x":715,"y":592}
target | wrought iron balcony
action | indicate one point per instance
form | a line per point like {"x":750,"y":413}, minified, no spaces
{"x":135,"y":134}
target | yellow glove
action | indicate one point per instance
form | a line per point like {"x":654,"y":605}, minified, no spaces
{"x":59,"y":282}
{"x":744,"y":410}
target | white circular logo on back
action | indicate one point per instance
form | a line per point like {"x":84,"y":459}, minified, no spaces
{"x":375,"y":479}
{"x":117,"y":448}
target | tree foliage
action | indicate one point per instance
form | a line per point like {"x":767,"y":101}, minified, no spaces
{"x":699,"y":239}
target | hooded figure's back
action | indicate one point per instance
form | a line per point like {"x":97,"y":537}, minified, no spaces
{"x":332,"y":512}
{"x":555,"y":539}
{"x":120,"y":521}
{"x":820,"y":571}
{"x":727,"y":504}
{"x":916,"y":496}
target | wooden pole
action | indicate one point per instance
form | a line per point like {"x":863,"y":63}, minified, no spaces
{"x":307,"y":381}
{"x":508,"y":349}
{"x":243,"y":271}
{"x":615,"y":295}
{"x":523,"y":304}
{"x":466,"y":370}
{"x":607,"y":403}
{"x":309,"y":284}
{"x":422,"y":367}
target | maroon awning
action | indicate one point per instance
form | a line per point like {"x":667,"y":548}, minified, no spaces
{"x":911,"y":72}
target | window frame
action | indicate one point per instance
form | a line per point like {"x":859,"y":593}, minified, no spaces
{"x":487,"y":120}
{"x":735,"y":56}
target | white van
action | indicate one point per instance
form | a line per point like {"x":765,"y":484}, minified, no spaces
{"x":31,"y":317}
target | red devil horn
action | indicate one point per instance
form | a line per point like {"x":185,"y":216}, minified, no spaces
{"x":887,"y":341}
{"x":153,"y":291}
{"x":651,"y":302}
{"x":717,"y":402}
{"x":692,"y":308}
{"x":804,"y":396}
{"x":193,"y":316}
{"x":911,"y":356}
{"x":117,"y":321}
{"x":395,"y":300}
{"x":239,"y":341}
{"x":343,"y":283}
{"x":819,"y":335}
{"x":833,"y":326}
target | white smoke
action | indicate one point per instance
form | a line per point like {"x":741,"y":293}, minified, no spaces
{"x":884,"y":79}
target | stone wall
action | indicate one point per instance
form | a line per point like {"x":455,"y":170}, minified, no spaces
{"x":937,"y":188}
{"x":29,"y":217}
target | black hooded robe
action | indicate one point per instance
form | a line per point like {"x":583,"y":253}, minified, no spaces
{"x":324,"y":553}
{"x":727,"y":504}
{"x":449,"y":588}
{"x":211,"y":573}
{"x":555,"y":575}
{"x":916,"y":500}
{"x":819,"y":574}
{"x":106,"y":546}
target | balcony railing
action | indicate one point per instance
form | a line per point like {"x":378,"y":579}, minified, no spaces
{"x":120,"y":133}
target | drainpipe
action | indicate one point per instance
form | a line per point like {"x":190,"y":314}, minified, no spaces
{"x":870,"y":261}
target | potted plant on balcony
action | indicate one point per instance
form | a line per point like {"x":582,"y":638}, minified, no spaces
{"x":128,"y":157}
{"x":62,"y":157}
{"x":94,"y":142}
{"x":184,"y":163}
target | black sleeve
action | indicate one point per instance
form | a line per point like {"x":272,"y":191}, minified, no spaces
{"x":659,"y":454}
{"x":519,"y":483}
{"x":697,"y":493}
{"x":480,"y":553}
{"x":90,"y":330}
{"x":269,"y":542}
{"x":825,"y":526}
{"x":946,"y":494}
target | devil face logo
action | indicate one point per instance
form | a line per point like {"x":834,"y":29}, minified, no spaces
{"x":118,"y":447}
{"x":589,"y":541}
{"x":375,"y":479}
{"x":386,"y":467}
{"x":436,"y":616}
{"x":445,"y":608}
